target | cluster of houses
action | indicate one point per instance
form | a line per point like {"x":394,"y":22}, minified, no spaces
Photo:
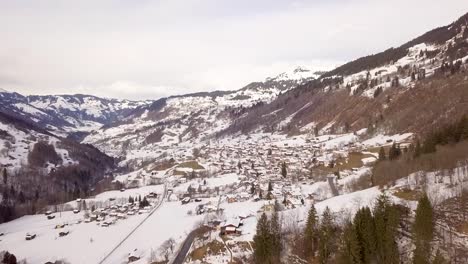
{"x":265,"y":159}
{"x":110,"y":214}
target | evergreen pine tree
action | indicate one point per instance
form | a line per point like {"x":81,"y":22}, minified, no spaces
{"x":284,"y":171}
{"x":382,"y":155}
{"x":365,"y":234}
{"x":424,"y":220}
{"x":386,"y":221}
{"x":327,"y":233}
{"x":262,"y":241}
{"x":311,"y":233}
{"x":349,"y":252}
{"x":275,"y":237}
{"x":423,"y":231}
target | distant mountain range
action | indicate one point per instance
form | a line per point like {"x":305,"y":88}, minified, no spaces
{"x":409,"y":88}
{"x":66,"y":114}
{"x":75,"y":115}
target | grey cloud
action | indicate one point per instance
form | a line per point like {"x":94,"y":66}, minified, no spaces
{"x":158,"y":48}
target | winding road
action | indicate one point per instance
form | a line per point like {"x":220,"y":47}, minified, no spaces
{"x":184,"y":249}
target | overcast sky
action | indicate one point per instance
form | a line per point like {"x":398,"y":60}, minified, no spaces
{"x":142,"y":49}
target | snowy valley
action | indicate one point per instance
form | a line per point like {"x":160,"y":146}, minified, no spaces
{"x":290,"y":169}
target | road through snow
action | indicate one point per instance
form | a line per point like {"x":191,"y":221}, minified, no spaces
{"x":136,"y":227}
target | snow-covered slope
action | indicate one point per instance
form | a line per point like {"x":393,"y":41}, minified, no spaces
{"x":191,"y":118}
{"x":64,"y":114}
{"x":85,"y":112}
{"x":18,"y":138}
{"x":389,"y":88}
{"x":39,"y":164}
{"x":368,"y":92}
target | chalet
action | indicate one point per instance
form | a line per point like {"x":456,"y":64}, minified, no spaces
{"x":231,"y":226}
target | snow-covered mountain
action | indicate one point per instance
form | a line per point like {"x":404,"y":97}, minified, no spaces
{"x":192,"y":117}
{"x":389,"y":90}
{"x":408,"y":88}
{"x":285,"y":80}
{"x":32,"y":155}
{"x":65,"y":114}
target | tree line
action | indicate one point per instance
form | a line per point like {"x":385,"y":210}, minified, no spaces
{"x":371,"y":236}
{"x":442,"y":149}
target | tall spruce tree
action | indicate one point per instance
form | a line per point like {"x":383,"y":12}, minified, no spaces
{"x":423,"y":231}
{"x":311,"y":233}
{"x":262,"y":241}
{"x":365,"y":233}
{"x":327,"y":235}
{"x":284,"y":170}
{"x":424,"y":220}
{"x":350,"y":250}
{"x":275,"y":237}
{"x":382,"y":155}
{"x":386,"y":220}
